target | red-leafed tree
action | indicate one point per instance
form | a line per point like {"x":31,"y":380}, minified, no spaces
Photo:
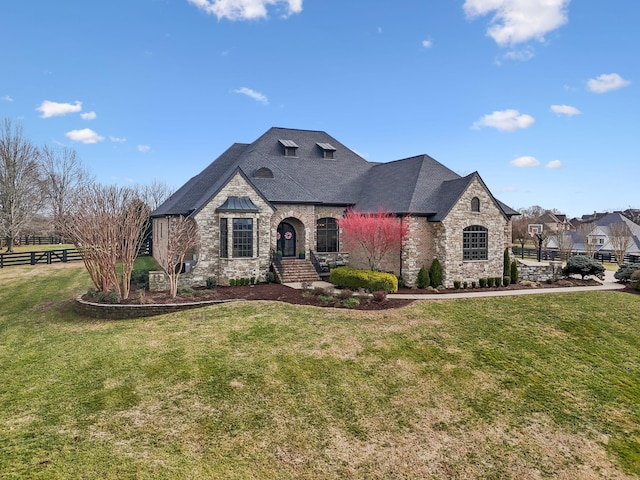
{"x":375,"y":234}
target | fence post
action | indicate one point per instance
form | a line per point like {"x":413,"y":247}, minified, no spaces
{"x":33,"y":258}
{"x":64,"y":256}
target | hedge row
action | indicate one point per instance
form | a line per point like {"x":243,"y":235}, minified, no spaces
{"x":353,"y":279}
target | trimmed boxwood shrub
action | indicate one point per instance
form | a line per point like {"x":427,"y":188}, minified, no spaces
{"x":491,"y":281}
{"x":456,"y":284}
{"x":482,"y":282}
{"x":635,"y":280}
{"x":497,"y":281}
{"x":353,"y":279}
{"x":514,"y":272}
{"x":506,"y":281}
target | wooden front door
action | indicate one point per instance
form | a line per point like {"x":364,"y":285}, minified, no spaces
{"x":287,"y":239}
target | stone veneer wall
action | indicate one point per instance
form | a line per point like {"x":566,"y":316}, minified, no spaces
{"x":223,"y":269}
{"x":449,"y":240}
{"x":539,"y":272}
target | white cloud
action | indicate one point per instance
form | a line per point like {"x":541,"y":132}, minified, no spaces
{"x":517,"y":21}
{"x":246,"y":9}
{"x":505,"y":120}
{"x":86,"y":135}
{"x":606,"y":82}
{"x":554,"y":164}
{"x":143,"y":148}
{"x":525,"y":162}
{"x":6,"y":98}
{"x":521,"y":55}
{"x":257,"y":96}
{"x":427,"y":43}
{"x":117,"y":139}
{"x":567,"y":110}
{"x":88,"y":115}
{"x":54,"y":109}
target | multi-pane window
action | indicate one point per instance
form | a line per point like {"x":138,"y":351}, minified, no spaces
{"x":243,"y":237}
{"x":327,"y":235}
{"x":474,"y":243}
{"x":475,"y":204}
{"x":224,"y":235}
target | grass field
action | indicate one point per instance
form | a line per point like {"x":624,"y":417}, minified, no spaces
{"x":524,"y":387}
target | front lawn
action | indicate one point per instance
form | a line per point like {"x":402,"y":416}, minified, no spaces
{"x":541,"y":386}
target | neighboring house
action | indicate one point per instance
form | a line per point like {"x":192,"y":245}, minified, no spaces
{"x":598,"y":234}
{"x":288,"y":190}
{"x":554,"y":222}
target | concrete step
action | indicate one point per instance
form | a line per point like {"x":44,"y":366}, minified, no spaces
{"x":297,"y":270}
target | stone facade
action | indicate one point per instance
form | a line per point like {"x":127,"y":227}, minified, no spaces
{"x":426,"y":240}
{"x":539,"y":272}
{"x":449,"y":237}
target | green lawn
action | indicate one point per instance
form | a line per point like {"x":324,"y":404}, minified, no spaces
{"x":517,"y":387}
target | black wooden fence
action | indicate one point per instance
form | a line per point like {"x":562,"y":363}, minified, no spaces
{"x":34,"y":240}
{"x":33,"y":258}
{"x":549,"y":255}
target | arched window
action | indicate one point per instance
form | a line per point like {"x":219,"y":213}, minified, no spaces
{"x":475,"y":204}
{"x":327,"y":235}
{"x":474,"y":243}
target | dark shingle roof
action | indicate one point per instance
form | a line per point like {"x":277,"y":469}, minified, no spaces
{"x":417,"y":185}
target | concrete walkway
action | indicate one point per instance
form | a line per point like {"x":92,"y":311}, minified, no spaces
{"x":608,"y":284}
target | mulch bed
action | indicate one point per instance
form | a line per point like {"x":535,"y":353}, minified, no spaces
{"x":281,"y":293}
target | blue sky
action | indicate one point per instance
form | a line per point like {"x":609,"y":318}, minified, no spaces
{"x":539,"y":96}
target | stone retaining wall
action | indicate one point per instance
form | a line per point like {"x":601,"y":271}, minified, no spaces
{"x":117,"y":311}
{"x":540,"y":272}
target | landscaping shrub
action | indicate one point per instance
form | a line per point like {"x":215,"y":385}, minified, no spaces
{"x":456,"y":284}
{"x":491,"y":281}
{"x":350,"y":302}
{"x":423,"y":278}
{"x":625,"y":272}
{"x":344,"y":294}
{"x":635,"y":280}
{"x":514,"y":272}
{"x":435,"y":273}
{"x":473,"y":284}
{"x":584,"y":266}
{"x":104,"y":297}
{"x":506,"y":270}
{"x":482,"y":282}
{"x":270,"y":277}
{"x":506,"y":280}
{"x":347,"y":277}
{"x":379,"y":296}
{"x":140,"y":278}
{"x":465,"y":284}
{"x":211,"y":282}
{"x":497,"y":281}
{"x":232,"y":282}
{"x":185,"y":291}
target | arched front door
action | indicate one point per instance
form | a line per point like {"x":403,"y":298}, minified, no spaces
{"x":287,"y":239}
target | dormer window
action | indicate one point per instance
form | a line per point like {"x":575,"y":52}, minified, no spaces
{"x":290,"y":148}
{"x":263,"y":172}
{"x":328,"y":150}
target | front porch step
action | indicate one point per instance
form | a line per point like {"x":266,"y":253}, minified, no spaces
{"x":297,"y":270}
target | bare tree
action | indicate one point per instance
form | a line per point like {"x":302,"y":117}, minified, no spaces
{"x":20,"y":182}
{"x":133,"y":222}
{"x":564,"y":241}
{"x":519,"y":231}
{"x":183,"y":236}
{"x":107,"y":224}
{"x":63,"y":176}
{"x":155,"y":193}
{"x":589,"y":247}
{"x":620,"y":236}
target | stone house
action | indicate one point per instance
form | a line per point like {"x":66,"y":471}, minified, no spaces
{"x":287,"y":191}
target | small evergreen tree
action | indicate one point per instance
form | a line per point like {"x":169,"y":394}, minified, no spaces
{"x":514,"y":272}
{"x":423,"y":278}
{"x":506,"y":270}
{"x":435,"y":273}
